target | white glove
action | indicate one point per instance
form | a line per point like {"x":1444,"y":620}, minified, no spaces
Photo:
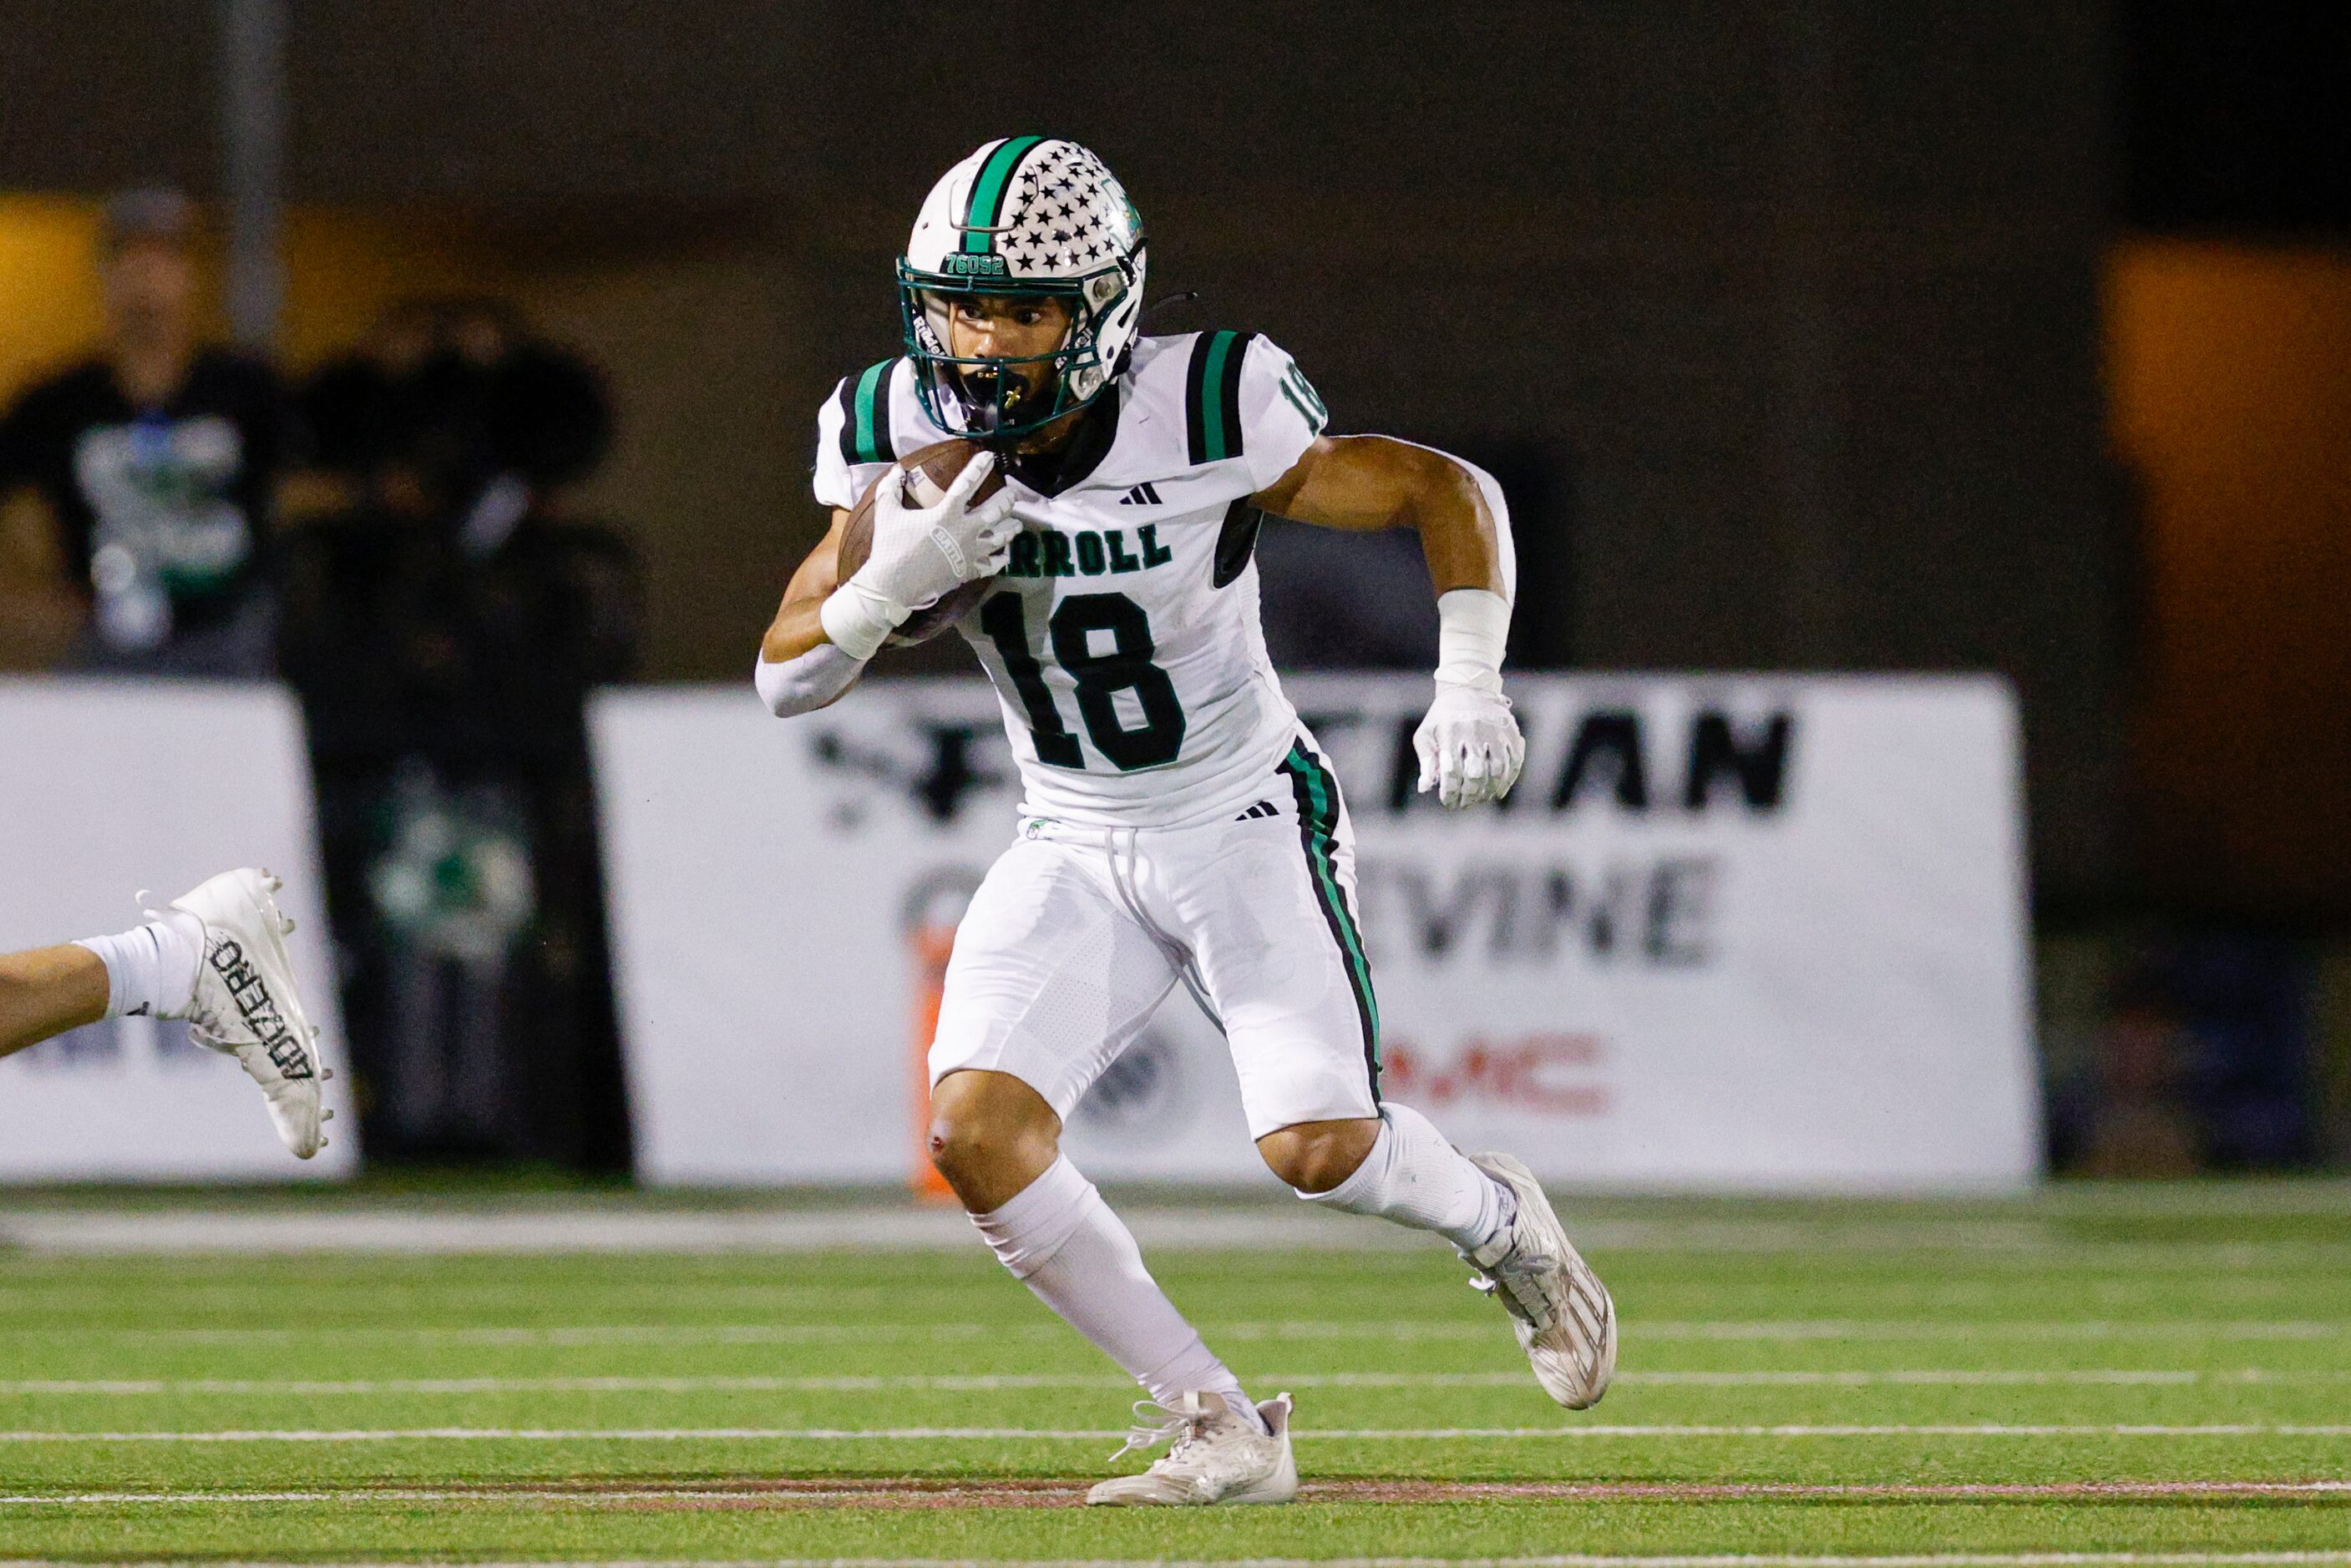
{"x":918,"y":554}
{"x":1470,"y":745}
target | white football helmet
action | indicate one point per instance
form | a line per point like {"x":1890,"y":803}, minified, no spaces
{"x":1026,"y":215}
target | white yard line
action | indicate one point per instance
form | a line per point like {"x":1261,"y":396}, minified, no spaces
{"x":1470,"y":1491}
{"x":2318,"y":1559}
{"x":1214,"y":1222}
{"x":2060,"y":1329}
{"x":1001,"y":1434}
{"x":1471,"y":1326}
{"x":1001,"y":1382}
{"x":536,"y":1229}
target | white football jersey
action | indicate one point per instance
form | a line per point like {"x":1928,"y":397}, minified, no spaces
{"x":1123,"y":638}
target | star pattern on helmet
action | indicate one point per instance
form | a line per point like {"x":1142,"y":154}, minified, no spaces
{"x":1065,"y":214}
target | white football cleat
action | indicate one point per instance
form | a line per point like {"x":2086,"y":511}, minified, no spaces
{"x":246,"y":1004}
{"x":1563,"y":1315}
{"x":1219,"y":1455}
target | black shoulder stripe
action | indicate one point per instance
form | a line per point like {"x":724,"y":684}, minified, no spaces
{"x":886,"y":434}
{"x":843,"y":396}
{"x":1196,"y":438}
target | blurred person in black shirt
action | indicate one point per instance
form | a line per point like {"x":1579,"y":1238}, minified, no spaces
{"x":445,"y":632}
{"x":150,"y":468}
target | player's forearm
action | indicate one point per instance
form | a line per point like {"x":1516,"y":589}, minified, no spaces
{"x":800,"y":669}
{"x":796,"y":629}
{"x":798,"y":625}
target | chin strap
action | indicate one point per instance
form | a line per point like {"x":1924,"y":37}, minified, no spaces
{"x":1189,"y":296}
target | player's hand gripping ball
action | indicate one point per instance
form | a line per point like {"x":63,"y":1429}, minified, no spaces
{"x":978,"y":531}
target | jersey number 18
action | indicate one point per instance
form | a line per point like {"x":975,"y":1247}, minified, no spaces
{"x":1127,"y":667}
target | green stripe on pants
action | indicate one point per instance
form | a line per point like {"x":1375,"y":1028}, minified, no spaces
{"x":1317,"y":794}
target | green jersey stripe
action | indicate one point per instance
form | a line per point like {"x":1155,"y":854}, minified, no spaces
{"x":1212,"y":396}
{"x":988,"y":192}
{"x":869,"y":429}
{"x":1214,"y":437}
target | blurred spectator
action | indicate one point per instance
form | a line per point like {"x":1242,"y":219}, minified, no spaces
{"x":444,"y":631}
{"x":2138,"y":1126}
{"x":136,"y":488}
{"x":2204,"y":1064}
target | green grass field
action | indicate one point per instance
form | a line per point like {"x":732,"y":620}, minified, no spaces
{"x":2097,"y":1371}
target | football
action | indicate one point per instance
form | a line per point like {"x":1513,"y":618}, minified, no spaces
{"x":928,"y":473}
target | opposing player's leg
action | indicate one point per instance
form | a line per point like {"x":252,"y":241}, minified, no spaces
{"x":1270,"y":921}
{"x":1051,"y":977}
{"x":217,"y":958}
{"x":47,"y":992}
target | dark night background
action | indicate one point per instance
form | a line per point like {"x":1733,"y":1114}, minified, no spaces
{"x":1802,"y":332}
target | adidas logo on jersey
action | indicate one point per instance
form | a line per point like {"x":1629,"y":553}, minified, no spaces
{"x":1142,"y":496}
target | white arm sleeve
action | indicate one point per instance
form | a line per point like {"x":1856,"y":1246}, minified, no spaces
{"x":803,"y":685}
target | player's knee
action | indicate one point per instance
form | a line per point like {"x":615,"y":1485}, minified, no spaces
{"x":983,"y":1133}
{"x":965,"y":1146}
{"x":1316,"y":1157}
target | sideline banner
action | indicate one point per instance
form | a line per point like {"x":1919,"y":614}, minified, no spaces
{"x":115,"y":786}
{"x":1745,"y":932}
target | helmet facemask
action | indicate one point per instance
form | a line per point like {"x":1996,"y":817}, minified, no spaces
{"x":989,"y":398}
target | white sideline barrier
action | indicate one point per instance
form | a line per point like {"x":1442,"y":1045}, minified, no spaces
{"x":1734,"y":932}
{"x":109,"y":786}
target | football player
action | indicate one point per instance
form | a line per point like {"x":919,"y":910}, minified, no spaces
{"x":1178,"y":825}
{"x":217,"y":958}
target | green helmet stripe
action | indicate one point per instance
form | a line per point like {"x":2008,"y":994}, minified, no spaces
{"x":988,"y":192}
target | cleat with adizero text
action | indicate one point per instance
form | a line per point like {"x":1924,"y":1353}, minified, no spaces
{"x":1561,"y":1313}
{"x":246,"y":1004}
{"x":1219,"y":1456}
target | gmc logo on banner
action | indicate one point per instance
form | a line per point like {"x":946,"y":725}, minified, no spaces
{"x":1545,"y":1073}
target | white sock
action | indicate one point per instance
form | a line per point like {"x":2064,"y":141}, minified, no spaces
{"x":1060,"y":1239}
{"x":151,"y":970}
{"x":1415,"y":1178}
